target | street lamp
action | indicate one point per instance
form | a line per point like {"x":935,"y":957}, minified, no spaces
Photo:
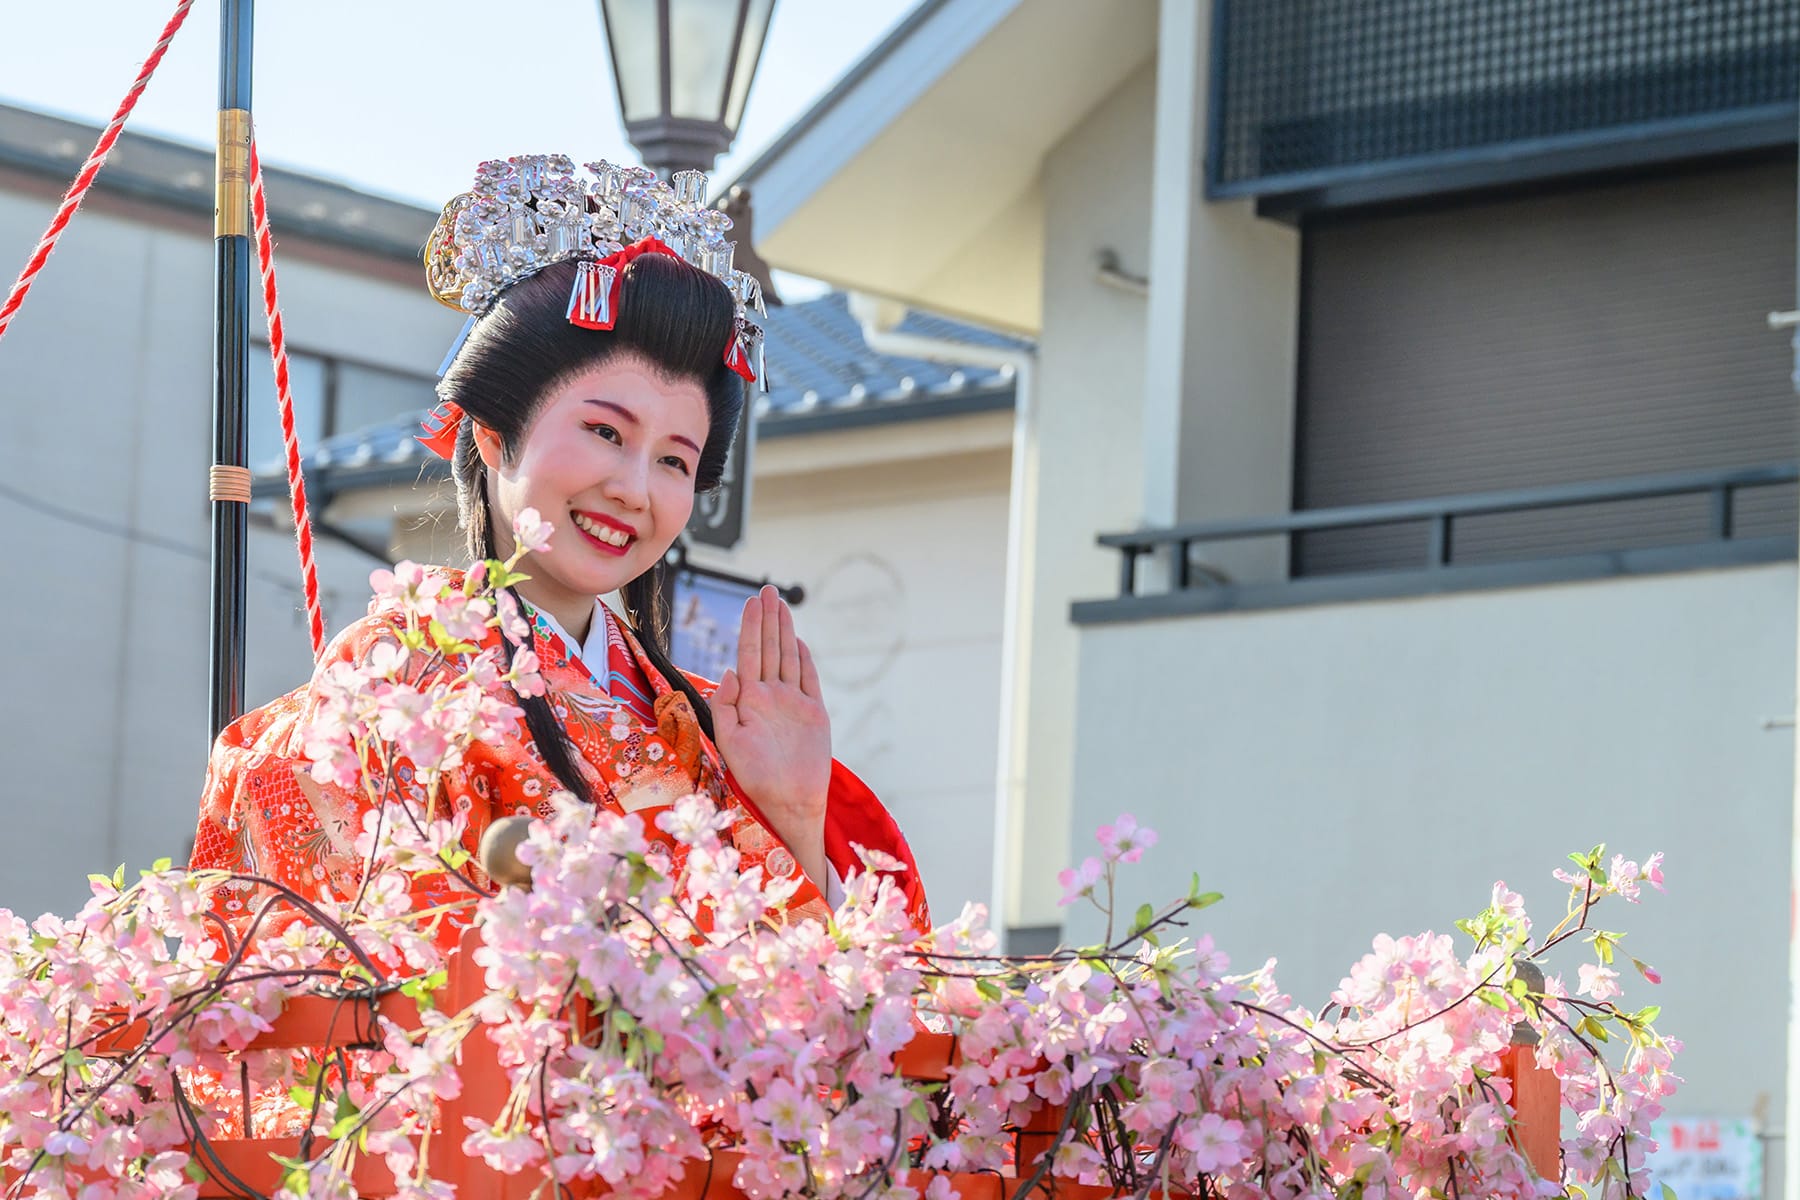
{"x":684,"y":69}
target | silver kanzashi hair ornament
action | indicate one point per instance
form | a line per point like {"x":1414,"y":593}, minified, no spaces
{"x":530,"y":211}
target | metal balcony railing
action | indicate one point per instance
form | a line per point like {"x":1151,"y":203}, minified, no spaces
{"x":1440,"y":516}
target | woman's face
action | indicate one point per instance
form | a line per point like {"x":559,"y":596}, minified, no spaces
{"x":609,"y":461}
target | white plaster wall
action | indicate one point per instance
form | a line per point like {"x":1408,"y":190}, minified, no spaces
{"x":903,"y":567}
{"x":1089,"y":446}
{"x":105,"y":386}
{"x":1343,"y":770}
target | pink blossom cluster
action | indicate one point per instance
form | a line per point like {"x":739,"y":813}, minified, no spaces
{"x":646,"y":1014}
{"x":398,"y":702}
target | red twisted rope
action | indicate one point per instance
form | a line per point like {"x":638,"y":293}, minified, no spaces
{"x":78,"y":190}
{"x":290,"y":440}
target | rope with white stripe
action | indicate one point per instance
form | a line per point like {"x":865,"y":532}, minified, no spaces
{"x":290,"y":438}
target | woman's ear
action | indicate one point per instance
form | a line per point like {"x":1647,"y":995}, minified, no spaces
{"x":488,"y":445}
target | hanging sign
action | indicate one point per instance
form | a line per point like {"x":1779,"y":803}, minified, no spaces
{"x":718,"y":519}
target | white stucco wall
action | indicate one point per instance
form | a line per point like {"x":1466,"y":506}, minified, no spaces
{"x":105,"y":380}
{"x":1343,"y":770}
{"x":1089,"y":445}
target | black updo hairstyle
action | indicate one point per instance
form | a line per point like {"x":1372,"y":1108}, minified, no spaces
{"x":670,"y":314}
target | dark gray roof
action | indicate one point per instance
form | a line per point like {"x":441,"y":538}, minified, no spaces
{"x":181,"y":176}
{"x":822,"y":376}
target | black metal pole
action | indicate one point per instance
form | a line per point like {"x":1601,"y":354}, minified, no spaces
{"x":229,"y":478}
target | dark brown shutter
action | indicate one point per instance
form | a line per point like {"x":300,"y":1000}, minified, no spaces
{"x":1592,"y":334}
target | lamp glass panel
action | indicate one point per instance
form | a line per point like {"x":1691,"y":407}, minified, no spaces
{"x":635,"y":39}
{"x":756,"y":25}
{"x":700,"y":55}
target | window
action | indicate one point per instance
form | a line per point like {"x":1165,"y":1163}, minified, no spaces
{"x":331,"y":396}
{"x":307,"y":382}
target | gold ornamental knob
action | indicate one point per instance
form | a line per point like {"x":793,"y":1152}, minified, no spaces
{"x":500,"y":852}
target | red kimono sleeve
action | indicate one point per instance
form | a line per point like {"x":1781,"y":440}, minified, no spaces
{"x":854,"y":815}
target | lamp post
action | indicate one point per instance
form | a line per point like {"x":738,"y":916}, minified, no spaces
{"x":684,"y":69}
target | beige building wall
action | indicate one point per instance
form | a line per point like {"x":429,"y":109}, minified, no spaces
{"x":1346,"y":769}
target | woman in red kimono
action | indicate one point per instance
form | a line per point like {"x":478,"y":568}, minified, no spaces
{"x":603,"y":391}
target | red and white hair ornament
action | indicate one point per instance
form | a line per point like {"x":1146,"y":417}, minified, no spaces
{"x":528,"y":212}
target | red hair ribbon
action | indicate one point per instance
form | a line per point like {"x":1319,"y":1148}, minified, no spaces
{"x":738,"y":359}
{"x":594,"y":301}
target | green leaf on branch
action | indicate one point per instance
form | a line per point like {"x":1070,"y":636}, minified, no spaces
{"x":421,"y":989}
{"x":1143,"y":919}
{"x":195,"y":1172}
{"x":345,"y":1118}
{"x":1205,"y":901}
{"x":1594,"y":1029}
{"x":987,"y":989}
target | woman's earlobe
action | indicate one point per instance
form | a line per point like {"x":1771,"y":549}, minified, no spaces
{"x":487,"y":444}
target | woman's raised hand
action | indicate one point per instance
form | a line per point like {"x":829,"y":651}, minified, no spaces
{"x":769,"y":722}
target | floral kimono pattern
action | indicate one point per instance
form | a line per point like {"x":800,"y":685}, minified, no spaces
{"x":262,"y":813}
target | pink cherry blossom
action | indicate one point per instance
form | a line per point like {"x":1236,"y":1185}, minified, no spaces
{"x":525,"y":674}
{"x":512,"y":620}
{"x":1125,"y":840}
{"x":1079,"y":882}
{"x":1216,"y":1143}
{"x":532,"y":531}
{"x":1599,"y":982}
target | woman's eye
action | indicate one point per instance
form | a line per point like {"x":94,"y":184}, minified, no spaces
{"x":606,"y":431}
{"x":676,"y":461}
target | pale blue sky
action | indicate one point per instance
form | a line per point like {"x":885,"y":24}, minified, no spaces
{"x":403,"y":97}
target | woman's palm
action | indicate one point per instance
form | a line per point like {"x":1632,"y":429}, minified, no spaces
{"x":770,"y":724}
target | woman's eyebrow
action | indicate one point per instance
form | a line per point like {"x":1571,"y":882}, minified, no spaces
{"x":618,"y":408}
{"x":630,"y":416}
